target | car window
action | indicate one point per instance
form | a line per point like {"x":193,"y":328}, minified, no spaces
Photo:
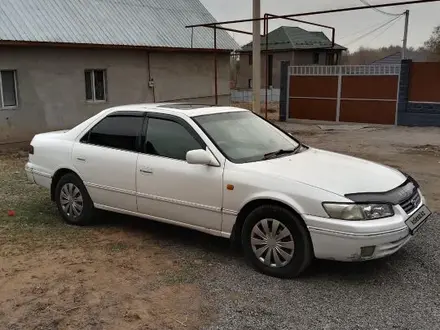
{"x":170,"y":139}
{"x":243,"y":136}
{"x":120,"y":132}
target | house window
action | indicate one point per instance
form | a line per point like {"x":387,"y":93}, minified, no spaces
{"x":249,"y":83}
{"x":270,"y":70}
{"x":250,"y":59}
{"x":331,"y":58}
{"x":315,"y":58}
{"x":8,"y":89}
{"x":96,"y":85}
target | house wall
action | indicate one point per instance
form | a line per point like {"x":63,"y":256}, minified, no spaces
{"x":305,"y":57}
{"x":295,"y":58}
{"x":51,"y":84}
{"x":245,"y":72}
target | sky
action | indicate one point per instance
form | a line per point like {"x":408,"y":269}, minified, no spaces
{"x":350,"y":26}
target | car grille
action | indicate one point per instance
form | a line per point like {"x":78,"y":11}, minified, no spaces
{"x":411,"y":203}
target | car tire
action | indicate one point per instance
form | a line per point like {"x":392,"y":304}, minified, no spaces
{"x":73,"y":200}
{"x":282,"y":228}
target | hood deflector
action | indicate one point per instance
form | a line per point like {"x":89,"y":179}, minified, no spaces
{"x":393,"y":196}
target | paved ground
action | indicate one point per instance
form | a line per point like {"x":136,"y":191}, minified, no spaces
{"x":127,"y":273}
{"x":400,"y":292}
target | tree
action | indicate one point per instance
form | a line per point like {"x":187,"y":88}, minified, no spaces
{"x":366,"y":55}
{"x":433,"y":43}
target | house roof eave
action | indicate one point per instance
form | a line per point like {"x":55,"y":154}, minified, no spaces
{"x":101,"y":46}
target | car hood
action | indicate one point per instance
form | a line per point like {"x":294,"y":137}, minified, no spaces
{"x":333,"y":172}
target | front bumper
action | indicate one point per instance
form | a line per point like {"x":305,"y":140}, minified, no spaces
{"x":354,"y":240}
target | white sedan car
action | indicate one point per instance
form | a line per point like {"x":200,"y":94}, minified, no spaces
{"x":227,"y":172}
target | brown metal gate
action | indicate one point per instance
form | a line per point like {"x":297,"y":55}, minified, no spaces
{"x":362,"y":94}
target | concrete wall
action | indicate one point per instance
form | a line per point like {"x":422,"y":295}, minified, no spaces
{"x":245,"y":72}
{"x":189,"y":77}
{"x":51,"y":86}
{"x":276,"y":70}
{"x":304,"y":57}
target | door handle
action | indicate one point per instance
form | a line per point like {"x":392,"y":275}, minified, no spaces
{"x":81,"y":159}
{"x":146,"y":170}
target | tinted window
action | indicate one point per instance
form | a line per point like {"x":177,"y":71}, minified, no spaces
{"x":119,"y":132}
{"x":169,"y":139}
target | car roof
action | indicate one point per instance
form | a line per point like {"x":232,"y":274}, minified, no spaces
{"x":188,"y":109}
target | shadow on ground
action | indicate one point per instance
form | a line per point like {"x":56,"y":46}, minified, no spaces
{"x":220,"y":250}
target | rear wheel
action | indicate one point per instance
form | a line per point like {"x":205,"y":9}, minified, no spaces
{"x":73,"y":200}
{"x":276,"y":242}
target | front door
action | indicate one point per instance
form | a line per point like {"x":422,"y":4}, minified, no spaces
{"x":168,"y":187}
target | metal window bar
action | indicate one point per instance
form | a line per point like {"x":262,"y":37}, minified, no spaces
{"x":2,"y":103}
{"x":15,"y":88}
{"x":93,"y":86}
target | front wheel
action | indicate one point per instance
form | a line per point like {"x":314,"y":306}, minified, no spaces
{"x":73,"y":200}
{"x":276,"y":242}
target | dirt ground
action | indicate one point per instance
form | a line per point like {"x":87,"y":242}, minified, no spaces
{"x":125,"y":273}
{"x":115,"y":275}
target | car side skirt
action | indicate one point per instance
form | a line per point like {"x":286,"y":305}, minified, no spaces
{"x":171,"y":222}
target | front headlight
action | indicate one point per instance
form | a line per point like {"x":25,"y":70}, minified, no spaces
{"x":358,"y":211}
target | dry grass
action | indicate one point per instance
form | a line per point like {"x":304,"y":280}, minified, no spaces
{"x":108,"y":276}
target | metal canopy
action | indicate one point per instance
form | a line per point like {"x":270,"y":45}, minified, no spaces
{"x":267,"y":17}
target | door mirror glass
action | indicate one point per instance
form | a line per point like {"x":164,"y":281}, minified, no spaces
{"x":199,"y":156}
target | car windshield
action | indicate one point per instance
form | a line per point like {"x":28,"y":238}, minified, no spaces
{"x":245,"y":137}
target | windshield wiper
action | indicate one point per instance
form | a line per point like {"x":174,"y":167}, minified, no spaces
{"x":280,"y":152}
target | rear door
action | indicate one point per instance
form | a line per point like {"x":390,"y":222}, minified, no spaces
{"x":106,"y":159}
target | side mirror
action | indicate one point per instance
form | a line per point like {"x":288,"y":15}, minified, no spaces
{"x":199,"y":157}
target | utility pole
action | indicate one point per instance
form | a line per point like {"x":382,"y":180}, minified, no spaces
{"x":256,"y":57}
{"x":405,"y":35}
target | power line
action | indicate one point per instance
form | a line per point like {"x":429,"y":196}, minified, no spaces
{"x":372,"y":31}
{"x":376,"y":29}
{"x":365,"y":2}
{"x":319,"y":12}
{"x":388,"y":27}
{"x":368,"y":28}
